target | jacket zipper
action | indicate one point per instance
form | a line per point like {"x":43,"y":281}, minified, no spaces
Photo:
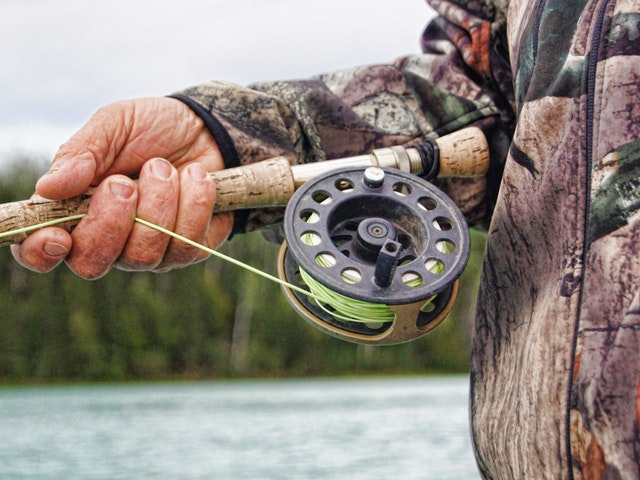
{"x":536,"y":28}
{"x":592,"y":66}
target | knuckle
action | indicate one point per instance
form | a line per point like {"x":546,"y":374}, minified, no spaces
{"x":182,"y":255}
{"x":137,"y":262}
{"x":144,"y":253}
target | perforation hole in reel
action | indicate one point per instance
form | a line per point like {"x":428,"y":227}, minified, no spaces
{"x":384,"y":247}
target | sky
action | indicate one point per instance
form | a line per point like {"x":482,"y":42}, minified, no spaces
{"x":63,"y":59}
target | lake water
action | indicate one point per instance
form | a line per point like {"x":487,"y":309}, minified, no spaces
{"x":383,"y":428}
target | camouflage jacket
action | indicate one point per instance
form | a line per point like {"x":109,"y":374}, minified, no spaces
{"x":556,"y":357}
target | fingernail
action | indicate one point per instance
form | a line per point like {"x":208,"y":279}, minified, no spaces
{"x":161,"y":168}
{"x":197,"y":172}
{"x":122,"y":190}
{"x":53,"y":170}
{"x":54,"y":249}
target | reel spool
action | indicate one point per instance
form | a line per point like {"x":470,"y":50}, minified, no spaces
{"x":377,"y":241}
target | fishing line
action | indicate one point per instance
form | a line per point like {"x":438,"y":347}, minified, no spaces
{"x":50,"y":223}
{"x":337,"y":305}
{"x":341,"y":306}
{"x":344,"y":308}
{"x":70,"y":218}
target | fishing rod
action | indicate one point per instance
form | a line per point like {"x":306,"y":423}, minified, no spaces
{"x":379,"y":247}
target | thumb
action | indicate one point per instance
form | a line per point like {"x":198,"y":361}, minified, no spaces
{"x":87,"y":154}
{"x":71,"y":174}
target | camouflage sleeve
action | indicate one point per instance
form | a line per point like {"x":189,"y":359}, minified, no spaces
{"x":352,"y":111}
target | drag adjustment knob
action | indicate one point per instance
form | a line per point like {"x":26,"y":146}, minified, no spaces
{"x":372,"y":235}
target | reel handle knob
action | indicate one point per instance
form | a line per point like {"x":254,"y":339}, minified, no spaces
{"x":386,"y":263}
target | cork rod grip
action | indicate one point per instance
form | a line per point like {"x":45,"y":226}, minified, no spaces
{"x":464,"y":153}
{"x":262,"y":184}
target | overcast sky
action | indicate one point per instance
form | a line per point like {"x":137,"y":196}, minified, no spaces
{"x":62,"y":59}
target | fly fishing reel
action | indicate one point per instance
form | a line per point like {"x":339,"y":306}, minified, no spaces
{"x":380,"y":251}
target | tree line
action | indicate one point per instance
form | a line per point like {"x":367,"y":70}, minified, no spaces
{"x":209,"y":320}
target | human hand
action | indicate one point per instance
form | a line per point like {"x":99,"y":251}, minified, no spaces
{"x":163,"y":144}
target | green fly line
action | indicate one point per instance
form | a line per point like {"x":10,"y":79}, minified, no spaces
{"x":345,"y":308}
{"x":342,"y":307}
{"x":349,"y":309}
{"x":335,"y":304}
{"x":50,"y":223}
{"x":177,"y":236}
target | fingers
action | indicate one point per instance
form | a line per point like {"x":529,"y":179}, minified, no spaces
{"x":114,"y":144}
{"x":158,"y":194}
{"x":101,"y":236}
{"x":97,"y":240}
{"x":67,"y":176}
{"x":182,"y":202}
{"x":219,"y":229}
{"x":108,"y":235}
{"x":195,"y":209}
{"x":88,"y":153}
{"x":43,"y":250}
